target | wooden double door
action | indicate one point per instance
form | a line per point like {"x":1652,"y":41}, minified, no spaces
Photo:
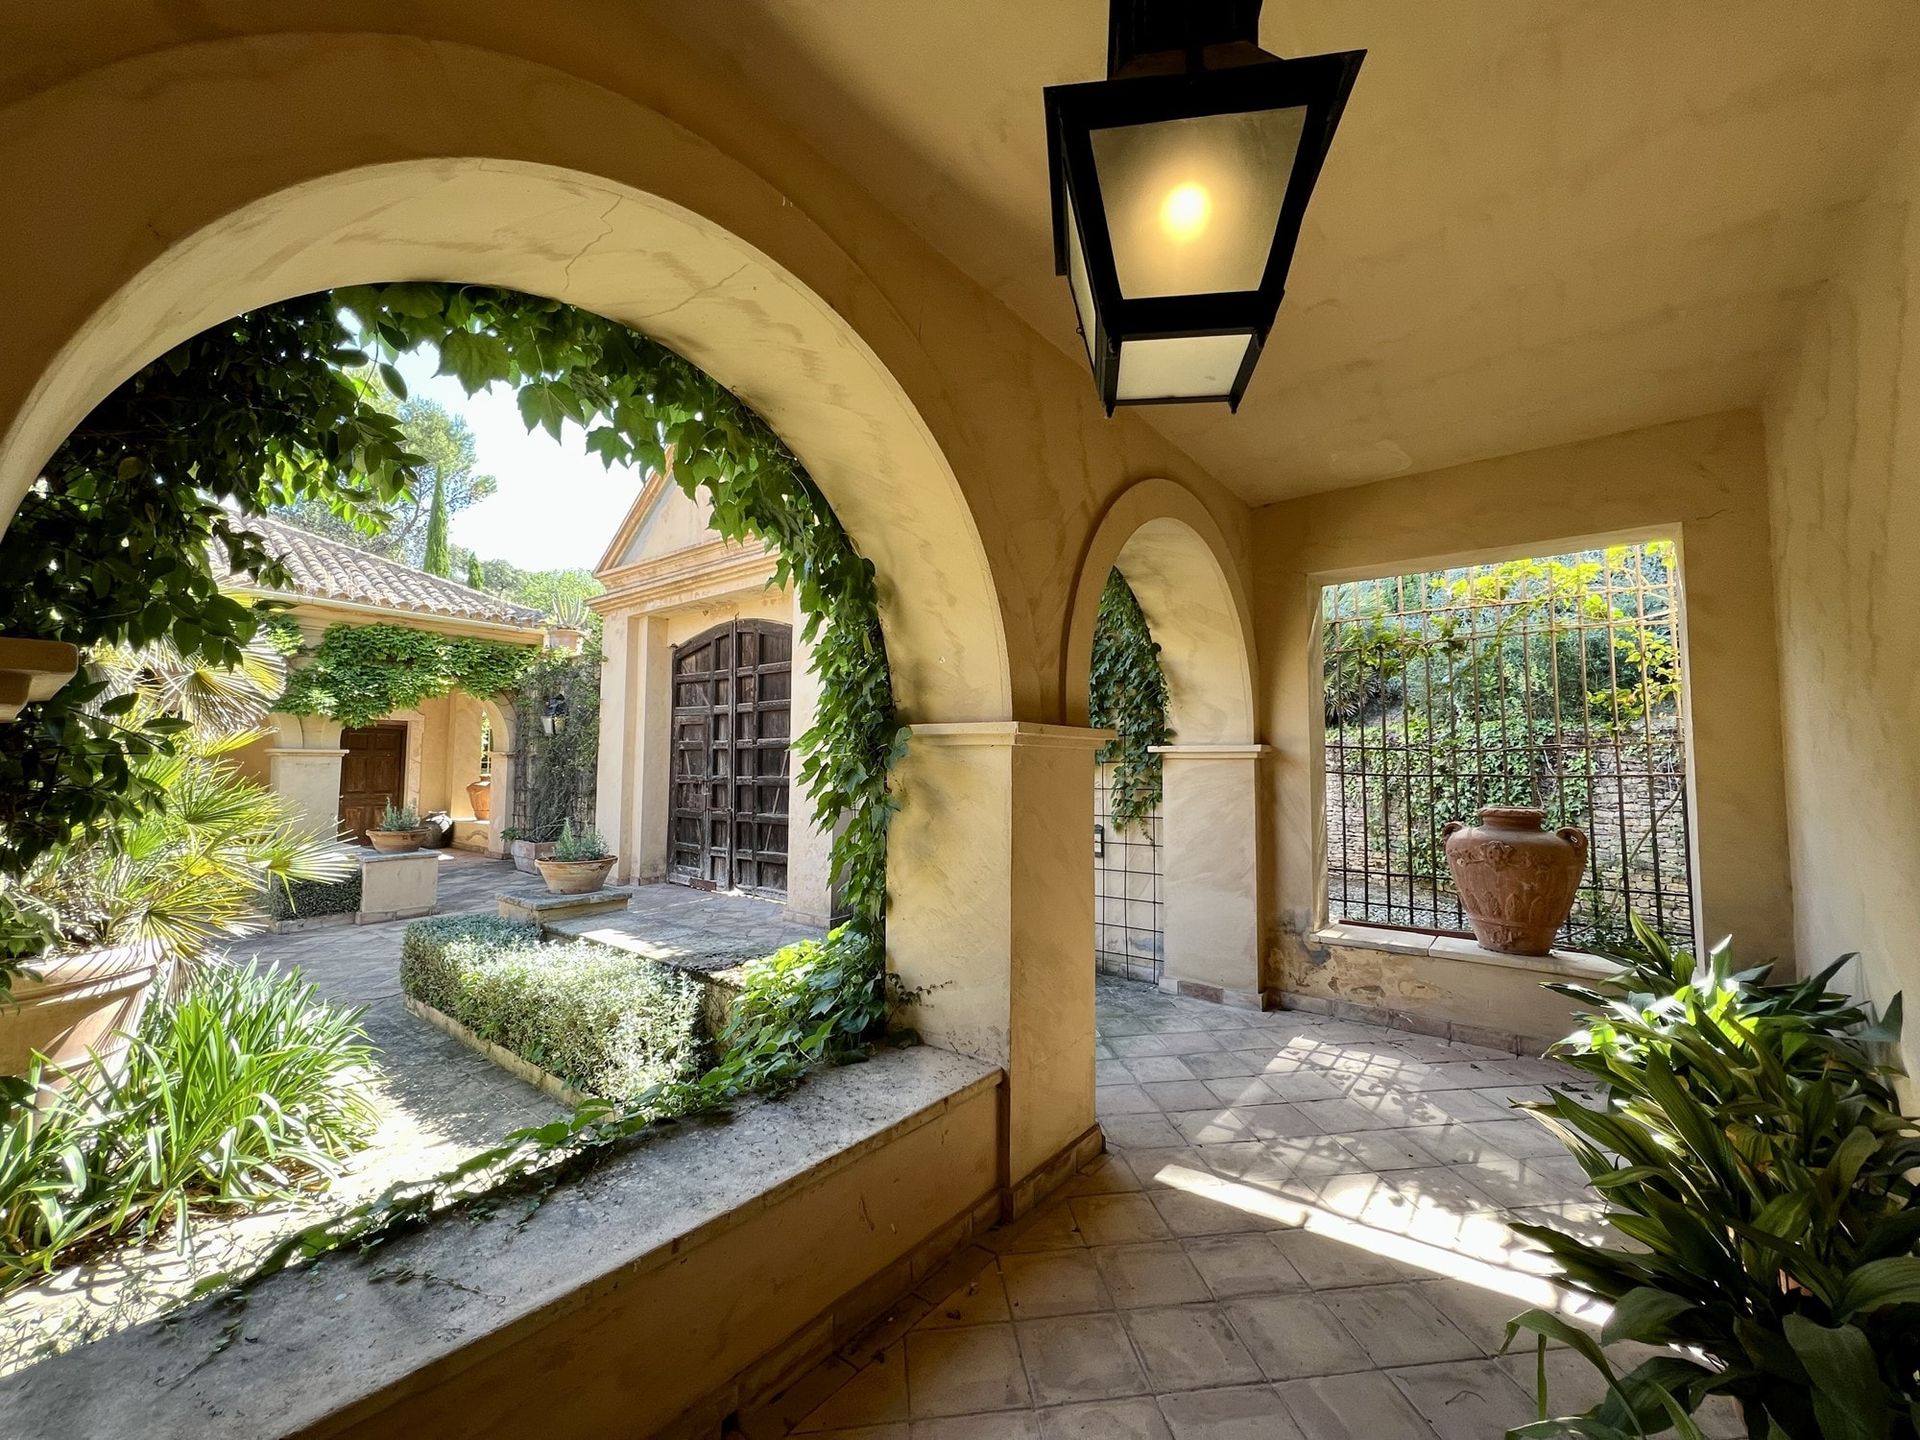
{"x":373,"y":775}
{"x":732,"y":723}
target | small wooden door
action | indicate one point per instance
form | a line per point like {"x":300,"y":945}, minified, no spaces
{"x":732,"y":708}
{"x":372,"y":775}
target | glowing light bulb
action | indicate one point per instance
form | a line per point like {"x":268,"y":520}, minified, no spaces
{"x":1185,"y":211}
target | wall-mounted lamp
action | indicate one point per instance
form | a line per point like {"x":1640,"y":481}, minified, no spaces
{"x":553,"y":719}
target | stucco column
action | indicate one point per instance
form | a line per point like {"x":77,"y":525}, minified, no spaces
{"x":990,"y":874}
{"x":809,"y":847}
{"x":1211,"y":882}
{"x":305,"y":772}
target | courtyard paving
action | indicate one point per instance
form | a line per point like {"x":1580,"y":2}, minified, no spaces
{"x":439,"y":1101}
{"x":1299,"y":1232}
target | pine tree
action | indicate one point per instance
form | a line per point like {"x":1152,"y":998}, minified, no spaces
{"x":438,"y":559}
{"x":476,"y":572}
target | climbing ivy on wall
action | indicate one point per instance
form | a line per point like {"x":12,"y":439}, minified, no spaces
{"x":1129,"y":695}
{"x":357,"y":673}
{"x":145,"y":505}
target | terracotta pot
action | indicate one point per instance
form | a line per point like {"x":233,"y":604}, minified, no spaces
{"x":1516,"y":879}
{"x":574,"y":877}
{"x":480,"y":797}
{"x":528,"y":853}
{"x":394,"y":842}
{"x":78,"y":1004}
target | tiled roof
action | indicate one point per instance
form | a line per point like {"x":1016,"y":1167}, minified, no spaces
{"x":329,"y":570}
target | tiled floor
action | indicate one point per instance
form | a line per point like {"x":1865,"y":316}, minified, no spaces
{"x":1299,"y":1233}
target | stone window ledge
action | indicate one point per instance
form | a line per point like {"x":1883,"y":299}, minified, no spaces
{"x":1572,"y":964}
{"x":323,"y":1347}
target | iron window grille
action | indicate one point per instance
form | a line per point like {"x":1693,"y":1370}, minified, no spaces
{"x":1551,"y":682}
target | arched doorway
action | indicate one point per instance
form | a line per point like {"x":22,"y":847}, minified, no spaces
{"x":1177,"y":562}
{"x":728,"y":798}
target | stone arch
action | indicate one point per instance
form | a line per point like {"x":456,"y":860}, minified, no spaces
{"x":205,"y":211}
{"x":1175,"y":557}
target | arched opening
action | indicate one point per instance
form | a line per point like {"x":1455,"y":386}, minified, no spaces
{"x":1176,"y":561}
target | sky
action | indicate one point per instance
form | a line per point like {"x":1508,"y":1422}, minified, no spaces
{"x":557,"y":506}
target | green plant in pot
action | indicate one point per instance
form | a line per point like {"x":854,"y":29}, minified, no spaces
{"x":579,"y":862}
{"x":398,"y":830}
{"x":1751,"y":1152}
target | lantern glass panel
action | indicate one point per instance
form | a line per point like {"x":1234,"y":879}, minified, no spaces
{"x":1077,"y":277}
{"x":1192,"y":205}
{"x":1180,"y":367}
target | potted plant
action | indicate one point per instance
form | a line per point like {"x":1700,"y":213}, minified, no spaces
{"x":580,"y":862}
{"x":398,"y":831}
{"x":524,"y":849}
{"x":480,"y":797}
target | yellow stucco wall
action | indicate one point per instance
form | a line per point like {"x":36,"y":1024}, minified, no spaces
{"x":1700,"y":482}
{"x":1843,"y":431}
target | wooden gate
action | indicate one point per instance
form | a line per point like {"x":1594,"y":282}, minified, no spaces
{"x":372,"y":775}
{"x":732,"y":707}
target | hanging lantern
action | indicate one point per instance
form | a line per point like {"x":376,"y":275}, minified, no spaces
{"x":553,"y":719}
{"x":1179,"y":187}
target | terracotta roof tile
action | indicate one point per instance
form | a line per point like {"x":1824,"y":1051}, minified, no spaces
{"x":330,"y":570}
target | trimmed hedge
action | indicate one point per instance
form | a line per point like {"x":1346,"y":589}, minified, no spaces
{"x":606,"y":1022}
{"x":303,"y":899}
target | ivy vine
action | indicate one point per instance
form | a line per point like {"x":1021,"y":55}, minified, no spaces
{"x":357,"y":673}
{"x":1129,"y":695}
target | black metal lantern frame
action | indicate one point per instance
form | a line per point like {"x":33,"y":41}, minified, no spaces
{"x":1318,"y":84}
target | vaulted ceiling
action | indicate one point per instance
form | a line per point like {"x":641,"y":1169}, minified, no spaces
{"x":1542,"y":219}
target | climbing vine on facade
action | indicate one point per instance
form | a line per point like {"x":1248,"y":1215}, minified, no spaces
{"x":1129,"y":695}
{"x":357,"y":673}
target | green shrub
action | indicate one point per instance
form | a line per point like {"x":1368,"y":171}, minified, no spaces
{"x":304,"y":899}
{"x":584,"y":843}
{"x":399,"y":817}
{"x":606,"y":1022}
{"x":244,"y":1089}
{"x":1751,"y":1153}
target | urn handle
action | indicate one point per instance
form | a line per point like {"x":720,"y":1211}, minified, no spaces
{"x":1573,"y":835}
{"x":1451,"y":826}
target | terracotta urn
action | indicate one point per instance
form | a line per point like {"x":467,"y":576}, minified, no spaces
{"x":1516,"y":878}
{"x":394,"y":842}
{"x":575,"y":877}
{"x":77,"y":1009}
{"x":480,"y":797}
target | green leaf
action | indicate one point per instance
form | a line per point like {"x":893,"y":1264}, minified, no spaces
{"x":1849,"y":1397}
{"x":391,"y":378}
{"x":1877,"y":1284}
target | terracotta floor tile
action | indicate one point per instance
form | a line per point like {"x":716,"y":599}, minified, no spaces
{"x":1053,"y":1282}
{"x":1465,"y":1399}
{"x":979,"y":1301}
{"x":955,"y":1372}
{"x":1248,"y":1412}
{"x":1235,"y":1265}
{"x":1364,"y":1406}
{"x":877,"y":1395}
{"x":1104,"y":1420}
{"x":1399,"y":1325}
{"x":1079,"y":1357}
{"x":1293,"y":1336}
{"x":1118,"y":1219}
{"x":1152,"y":1274}
{"x":1190,"y":1347}
{"x":1187,"y":1214}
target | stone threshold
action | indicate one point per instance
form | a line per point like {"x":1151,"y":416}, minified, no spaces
{"x":516,"y":1065}
{"x":316,"y":1349}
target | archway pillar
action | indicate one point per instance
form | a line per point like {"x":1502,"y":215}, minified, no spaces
{"x":990,"y":869}
{"x":1210,"y":801}
{"x":304,"y":770}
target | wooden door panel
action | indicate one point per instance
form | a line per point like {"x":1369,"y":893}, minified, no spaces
{"x":732,"y":690}
{"x":372,"y":775}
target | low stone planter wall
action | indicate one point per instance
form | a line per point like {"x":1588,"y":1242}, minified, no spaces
{"x":513,"y":1064}
{"x":401,"y":886}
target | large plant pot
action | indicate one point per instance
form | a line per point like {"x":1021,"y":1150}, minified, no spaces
{"x":1516,"y":879}
{"x":480,"y":797}
{"x":575,"y":877}
{"x":394,"y":842}
{"x":527,"y":854}
{"x":82,"y":1003}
